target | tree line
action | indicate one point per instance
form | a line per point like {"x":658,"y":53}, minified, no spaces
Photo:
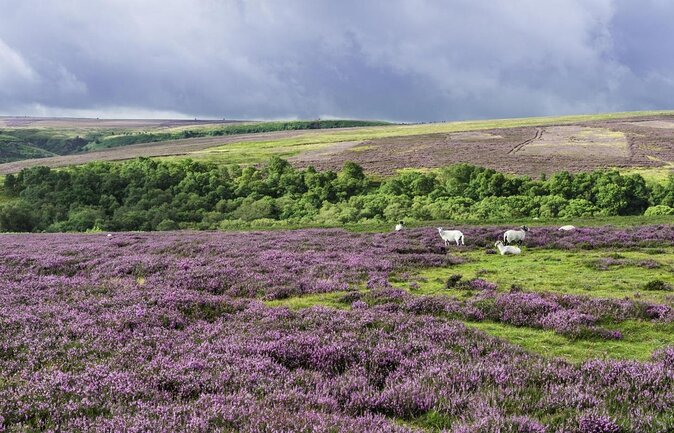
{"x":149,"y":194}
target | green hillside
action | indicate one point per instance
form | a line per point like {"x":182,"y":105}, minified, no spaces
{"x":26,"y":143}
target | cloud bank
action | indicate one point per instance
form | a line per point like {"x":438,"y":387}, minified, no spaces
{"x":405,"y":60}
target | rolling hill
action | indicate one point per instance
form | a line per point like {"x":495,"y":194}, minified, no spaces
{"x":531,"y":146}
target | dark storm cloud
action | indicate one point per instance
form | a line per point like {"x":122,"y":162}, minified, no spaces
{"x":395,"y":59}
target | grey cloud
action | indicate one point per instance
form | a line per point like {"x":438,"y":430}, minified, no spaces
{"x":413,"y":60}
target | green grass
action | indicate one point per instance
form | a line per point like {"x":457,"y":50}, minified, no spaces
{"x":298,"y":302}
{"x":566,"y":272}
{"x":430,"y":421}
{"x":640,"y":340}
{"x":659,"y":175}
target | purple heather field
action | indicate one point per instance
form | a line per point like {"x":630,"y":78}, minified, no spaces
{"x":145,"y":332}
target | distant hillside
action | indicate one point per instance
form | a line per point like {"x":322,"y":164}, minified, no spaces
{"x":633,"y":141}
{"x":25,"y":138}
{"x":12,"y":149}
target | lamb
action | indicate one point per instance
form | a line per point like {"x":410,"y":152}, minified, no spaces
{"x":451,"y":236}
{"x":515,"y":236}
{"x":507,"y":249}
{"x":399,"y":226}
{"x":567,"y":228}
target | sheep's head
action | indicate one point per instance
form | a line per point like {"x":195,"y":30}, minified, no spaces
{"x":525,"y":228}
{"x":498,"y":243}
{"x":439,"y":229}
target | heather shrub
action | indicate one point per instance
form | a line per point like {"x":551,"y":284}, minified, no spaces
{"x":453,"y":281}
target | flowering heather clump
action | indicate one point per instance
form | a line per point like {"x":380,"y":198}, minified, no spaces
{"x":665,"y":356}
{"x":598,"y":424}
{"x":480,"y":284}
{"x":656,"y":311}
{"x":567,"y":322}
{"x":358,"y":305}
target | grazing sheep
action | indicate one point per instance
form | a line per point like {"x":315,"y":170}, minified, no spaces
{"x":567,"y":228}
{"x":507,"y":249}
{"x":399,"y":226}
{"x":515,"y":236}
{"x":451,"y":236}
{"x":109,"y":235}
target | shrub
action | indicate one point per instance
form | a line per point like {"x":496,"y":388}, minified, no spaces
{"x":660,"y":209}
{"x":167,"y":224}
{"x":657,"y":285}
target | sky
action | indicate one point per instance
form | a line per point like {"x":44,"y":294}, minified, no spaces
{"x":398,"y":60}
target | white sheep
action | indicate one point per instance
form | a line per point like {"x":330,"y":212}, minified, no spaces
{"x":567,"y":228}
{"x":512,"y":236}
{"x":399,"y":226}
{"x":451,"y":236}
{"x":503,"y":249}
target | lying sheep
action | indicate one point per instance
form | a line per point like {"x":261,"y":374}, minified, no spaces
{"x":399,"y":226}
{"x":451,"y":236}
{"x":515,"y":236}
{"x":567,"y":228}
{"x":507,"y":249}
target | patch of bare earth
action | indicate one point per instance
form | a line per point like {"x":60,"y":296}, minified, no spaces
{"x":578,"y":141}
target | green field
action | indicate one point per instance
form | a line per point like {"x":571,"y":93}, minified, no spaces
{"x":568,"y":272}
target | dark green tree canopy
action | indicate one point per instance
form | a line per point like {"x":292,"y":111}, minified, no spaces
{"x":149,"y":194}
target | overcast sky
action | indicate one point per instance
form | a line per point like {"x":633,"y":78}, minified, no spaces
{"x":403,"y":60}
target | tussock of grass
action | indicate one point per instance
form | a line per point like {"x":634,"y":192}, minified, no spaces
{"x":298,"y":302}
